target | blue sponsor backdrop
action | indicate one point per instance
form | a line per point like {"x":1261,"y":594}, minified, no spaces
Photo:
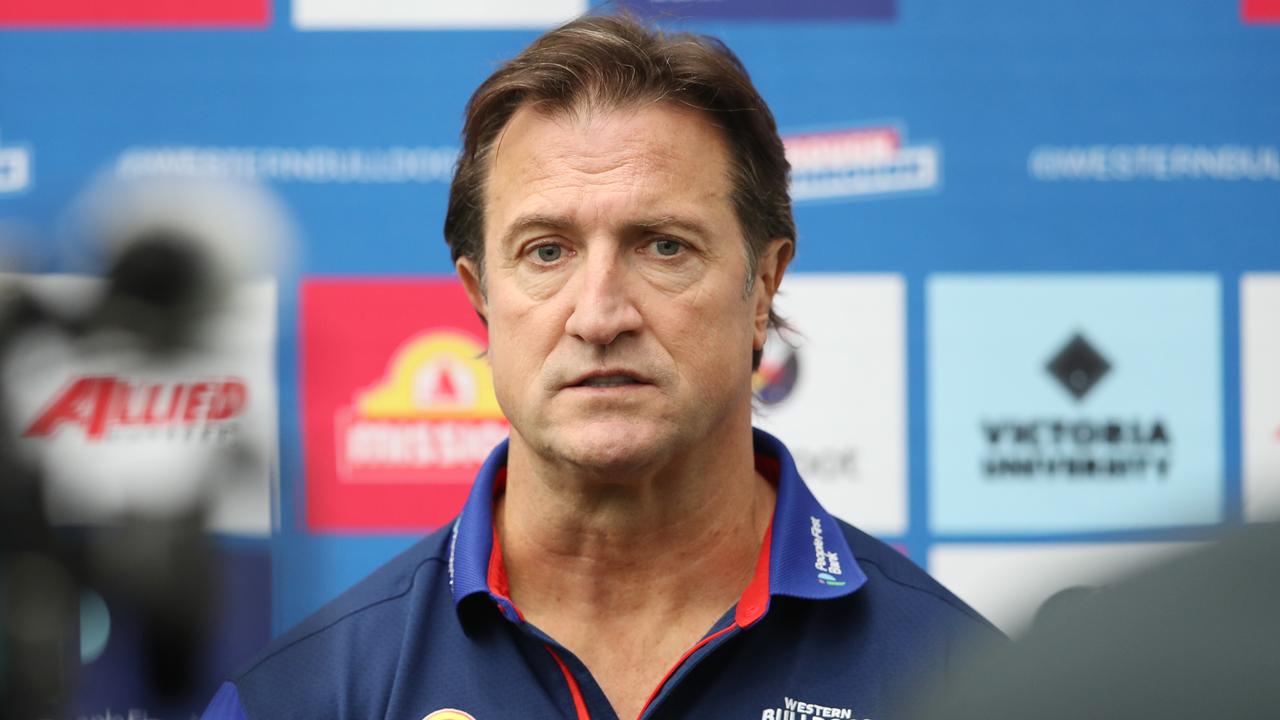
{"x":1085,"y":137}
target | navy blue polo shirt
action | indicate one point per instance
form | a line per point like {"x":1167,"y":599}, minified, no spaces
{"x":833,"y":624}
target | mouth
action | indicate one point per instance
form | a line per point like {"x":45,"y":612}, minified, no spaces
{"x":607,"y":379}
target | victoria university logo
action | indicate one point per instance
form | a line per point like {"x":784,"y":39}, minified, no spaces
{"x":1111,"y":446}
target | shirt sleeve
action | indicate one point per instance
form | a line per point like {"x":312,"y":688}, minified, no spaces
{"x":225,"y":705}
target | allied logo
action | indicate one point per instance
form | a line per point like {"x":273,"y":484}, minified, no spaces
{"x":1078,"y":366}
{"x":107,"y":407}
{"x":860,"y":162}
{"x":432,"y":418}
{"x":15,"y":168}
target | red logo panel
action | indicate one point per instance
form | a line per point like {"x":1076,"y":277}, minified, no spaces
{"x":1260,"y":11}
{"x":134,"y":13}
{"x":398,"y":406}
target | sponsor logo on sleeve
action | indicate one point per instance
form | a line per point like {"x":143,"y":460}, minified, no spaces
{"x":860,"y":162}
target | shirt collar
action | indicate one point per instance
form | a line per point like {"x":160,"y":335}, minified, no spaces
{"x":805,"y":553}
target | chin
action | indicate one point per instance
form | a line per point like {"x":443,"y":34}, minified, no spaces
{"x":612,"y":446}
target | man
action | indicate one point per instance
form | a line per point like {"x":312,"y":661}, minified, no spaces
{"x":620,"y":220}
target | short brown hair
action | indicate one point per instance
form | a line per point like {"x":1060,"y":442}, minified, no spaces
{"x":610,"y":61}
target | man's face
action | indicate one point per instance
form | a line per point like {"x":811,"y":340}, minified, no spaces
{"x":620,"y":330}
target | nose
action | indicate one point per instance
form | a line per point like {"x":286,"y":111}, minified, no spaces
{"x":604,"y":308}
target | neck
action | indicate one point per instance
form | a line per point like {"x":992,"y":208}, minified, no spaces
{"x":587,"y":545}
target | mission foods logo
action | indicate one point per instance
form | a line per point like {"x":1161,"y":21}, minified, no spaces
{"x":834,"y":391}
{"x":859,"y":162}
{"x":1074,"y":402}
{"x":432,"y":417}
{"x":399,"y":408}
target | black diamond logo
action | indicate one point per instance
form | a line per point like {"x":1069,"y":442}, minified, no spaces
{"x":1078,"y":366}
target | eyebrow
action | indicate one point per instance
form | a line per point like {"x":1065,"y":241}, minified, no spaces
{"x":538,"y":221}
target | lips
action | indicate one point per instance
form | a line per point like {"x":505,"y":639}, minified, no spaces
{"x":609,"y":381}
{"x":610,"y":378}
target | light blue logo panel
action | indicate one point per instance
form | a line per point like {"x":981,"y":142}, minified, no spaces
{"x":1065,"y":403}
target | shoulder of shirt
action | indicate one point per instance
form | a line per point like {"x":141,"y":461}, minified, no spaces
{"x":387,"y":584}
{"x":881,"y":562}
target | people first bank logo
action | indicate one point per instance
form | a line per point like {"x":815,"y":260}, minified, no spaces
{"x":399,"y":409}
{"x":860,"y":162}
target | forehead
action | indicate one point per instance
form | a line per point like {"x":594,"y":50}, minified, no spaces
{"x":658,"y":159}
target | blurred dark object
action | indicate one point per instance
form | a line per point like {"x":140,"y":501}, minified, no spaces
{"x":1197,"y":637}
{"x":157,"y":294}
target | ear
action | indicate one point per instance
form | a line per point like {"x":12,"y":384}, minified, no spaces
{"x":469,"y":274}
{"x":773,"y":264}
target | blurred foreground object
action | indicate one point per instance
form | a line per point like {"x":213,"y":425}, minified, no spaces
{"x":1197,"y":637}
{"x":136,"y":411}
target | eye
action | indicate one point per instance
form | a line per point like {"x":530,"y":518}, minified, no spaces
{"x":548,"y":253}
{"x":666,"y":247}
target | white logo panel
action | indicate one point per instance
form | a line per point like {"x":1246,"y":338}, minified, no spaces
{"x":838,"y":398}
{"x":15,"y":169}
{"x":399,"y":14}
{"x":1260,"y":394}
{"x":1009,"y":584}
{"x":115,"y":430}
